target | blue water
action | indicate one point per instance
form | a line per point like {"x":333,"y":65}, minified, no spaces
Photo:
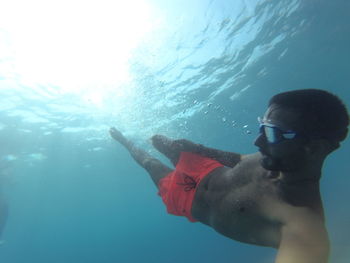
{"x":205,"y":74}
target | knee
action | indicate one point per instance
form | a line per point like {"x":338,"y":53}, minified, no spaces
{"x":156,"y":168}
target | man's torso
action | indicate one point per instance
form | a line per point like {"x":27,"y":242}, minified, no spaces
{"x":245,"y":203}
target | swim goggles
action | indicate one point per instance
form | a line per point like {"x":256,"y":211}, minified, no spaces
{"x":273,"y":133}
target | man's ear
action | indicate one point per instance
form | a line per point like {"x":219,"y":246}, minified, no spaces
{"x":321,"y":146}
{"x":311,"y":147}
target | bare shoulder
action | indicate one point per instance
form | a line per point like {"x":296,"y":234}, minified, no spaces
{"x":249,"y":167}
{"x":247,"y":174}
{"x":252,"y":160}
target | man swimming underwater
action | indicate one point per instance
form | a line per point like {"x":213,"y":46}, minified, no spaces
{"x":269,"y":198}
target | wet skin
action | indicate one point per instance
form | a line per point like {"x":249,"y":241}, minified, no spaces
{"x":269,"y":198}
{"x":249,"y":202}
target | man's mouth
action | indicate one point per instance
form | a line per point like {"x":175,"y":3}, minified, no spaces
{"x":263,"y":152}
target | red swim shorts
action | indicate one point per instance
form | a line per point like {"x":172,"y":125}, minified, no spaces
{"x":178,"y":188}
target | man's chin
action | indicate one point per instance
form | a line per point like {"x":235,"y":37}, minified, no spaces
{"x":270,"y":164}
{"x":275,"y":164}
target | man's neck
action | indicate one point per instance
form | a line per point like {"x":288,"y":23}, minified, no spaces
{"x":303,"y":189}
{"x":306,"y":175}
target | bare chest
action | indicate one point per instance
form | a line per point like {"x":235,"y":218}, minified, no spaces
{"x":236,"y":205}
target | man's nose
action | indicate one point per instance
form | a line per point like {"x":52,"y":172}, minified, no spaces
{"x":259,"y":141}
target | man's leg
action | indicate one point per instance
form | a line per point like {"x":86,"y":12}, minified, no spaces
{"x":153,"y":166}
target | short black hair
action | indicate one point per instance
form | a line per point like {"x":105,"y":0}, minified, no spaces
{"x":323,"y":114}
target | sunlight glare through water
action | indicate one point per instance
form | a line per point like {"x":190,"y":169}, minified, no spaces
{"x":80,"y":47}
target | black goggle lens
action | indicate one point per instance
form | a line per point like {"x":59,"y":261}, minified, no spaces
{"x":274,"y":135}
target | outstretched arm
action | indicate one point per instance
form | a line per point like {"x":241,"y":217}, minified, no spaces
{"x":304,"y":240}
{"x":173,"y":148}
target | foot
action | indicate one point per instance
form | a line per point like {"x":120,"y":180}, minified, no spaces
{"x":118,"y":136}
{"x":166,"y":145}
{"x":162,"y":143}
{"x":170,"y":148}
